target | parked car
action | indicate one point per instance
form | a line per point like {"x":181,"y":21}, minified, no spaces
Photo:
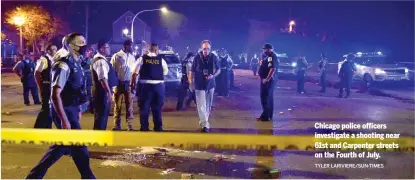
{"x":173,"y":78}
{"x":372,"y":67}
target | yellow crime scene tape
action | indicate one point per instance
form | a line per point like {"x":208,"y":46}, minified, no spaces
{"x":190,"y":140}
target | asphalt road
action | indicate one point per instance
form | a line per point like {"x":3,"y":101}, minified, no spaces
{"x":235,"y":114}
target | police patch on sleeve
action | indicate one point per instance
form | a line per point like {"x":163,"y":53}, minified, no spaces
{"x":63,"y":66}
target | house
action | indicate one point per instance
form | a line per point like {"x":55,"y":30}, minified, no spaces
{"x":141,"y":31}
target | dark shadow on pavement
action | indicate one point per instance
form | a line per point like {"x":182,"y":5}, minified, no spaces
{"x":222,"y":168}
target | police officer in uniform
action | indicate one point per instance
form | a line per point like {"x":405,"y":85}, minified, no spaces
{"x":254,"y":64}
{"x":224,"y":77}
{"x":86,"y":66}
{"x":346,"y":73}
{"x":67,"y":83}
{"x":25,"y":70}
{"x":302,"y":66}
{"x":42,"y":76}
{"x":322,"y":65}
{"x":184,"y":92}
{"x":267,"y":68}
{"x":104,"y":78}
{"x":151,"y":69}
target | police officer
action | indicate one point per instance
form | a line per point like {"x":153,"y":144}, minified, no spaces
{"x":267,"y":68}
{"x":86,"y":66}
{"x":67,"y":83}
{"x":25,"y":70}
{"x":223,"y":79}
{"x":254,"y":64}
{"x":42,"y":76}
{"x":151,"y":69}
{"x":104,"y":79}
{"x":184,"y":92}
{"x":302,"y":66}
{"x":322,"y":65}
{"x":346,"y":73}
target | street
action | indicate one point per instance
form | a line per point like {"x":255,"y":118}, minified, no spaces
{"x":234,"y":114}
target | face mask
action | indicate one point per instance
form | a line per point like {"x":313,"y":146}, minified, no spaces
{"x":82,"y":49}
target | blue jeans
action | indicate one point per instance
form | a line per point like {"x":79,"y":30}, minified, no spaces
{"x":204,"y":100}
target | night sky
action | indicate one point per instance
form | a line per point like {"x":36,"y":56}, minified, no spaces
{"x":386,"y":25}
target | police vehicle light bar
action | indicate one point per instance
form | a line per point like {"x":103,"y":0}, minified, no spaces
{"x":368,"y":54}
{"x":281,"y":54}
{"x":166,"y":52}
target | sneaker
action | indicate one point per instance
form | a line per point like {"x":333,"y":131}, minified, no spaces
{"x":158,"y":130}
{"x":205,"y":129}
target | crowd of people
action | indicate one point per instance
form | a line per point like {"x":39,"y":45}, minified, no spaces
{"x":75,"y":79}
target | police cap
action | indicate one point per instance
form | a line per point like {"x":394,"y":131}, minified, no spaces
{"x":351,"y":56}
{"x":268,"y":46}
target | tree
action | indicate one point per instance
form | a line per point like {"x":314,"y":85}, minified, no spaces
{"x":39,"y":25}
{"x":3,"y":36}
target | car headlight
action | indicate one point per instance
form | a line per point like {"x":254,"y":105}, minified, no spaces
{"x":294,"y":64}
{"x":406,"y":70}
{"x":379,"y":71}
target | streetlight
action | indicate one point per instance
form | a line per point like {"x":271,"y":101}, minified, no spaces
{"x":292,"y":23}
{"x":163,"y":10}
{"x":125,"y":31}
{"x":19,"y":21}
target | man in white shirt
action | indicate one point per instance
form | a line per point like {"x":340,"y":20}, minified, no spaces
{"x":103,"y":79}
{"x":123,"y":62}
{"x":42,"y":76}
{"x":151,"y":69}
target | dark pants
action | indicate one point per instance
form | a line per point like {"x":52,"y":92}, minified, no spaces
{"x":267,"y":99}
{"x":300,"y":81}
{"x":223,"y":83}
{"x":231,"y":78}
{"x":79,"y":154}
{"x":33,"y":90}
{"x":90,"y":98}
{"x":101,"y":111}
{"x":151,"y":96}
{"x":346,"y":84}
{"x":323,"y":81}
{"x":44,"y":118}
{"x":185,"y":95}
{"x":254,"y":69}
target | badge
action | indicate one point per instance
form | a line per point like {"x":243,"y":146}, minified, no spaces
{"x":205,"y":72}
{"x":269,"y":59}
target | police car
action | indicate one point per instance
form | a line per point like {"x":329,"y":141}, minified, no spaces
{"x":372,"y":67}
{"x":173,"y":78}
{"x":287,"y":66}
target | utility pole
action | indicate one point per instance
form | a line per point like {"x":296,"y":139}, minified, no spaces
{"x":86,"y":20}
